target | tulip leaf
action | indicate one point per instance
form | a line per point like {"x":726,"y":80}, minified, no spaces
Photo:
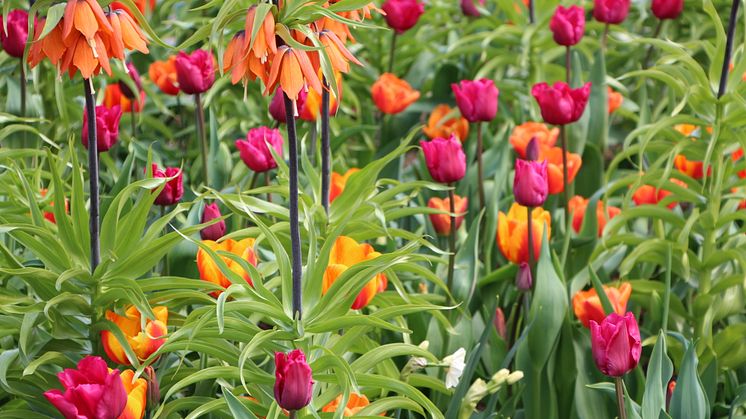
{"x":689,"y":399}
{"x":660,"y":370}
{"x":237,"y":408}
{"x":598,"y":125}
{"x":605,"y":303}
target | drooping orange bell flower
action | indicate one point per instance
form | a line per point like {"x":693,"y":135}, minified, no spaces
{"x":163,"y":74}
{"x":341,"y":29}
{"x":587,"y":305}
{"x":339,"y":55}
{"x":553,"y":156}
{"x":264,"y":43}
{"x":393,"y":95}
{"x":141,"y":5}
{"x":127,"y":35}
{"x":442,"y":222}
{"x":143,"y":341}
{"x":243,"y":66}
{"x":578,"y":207}
{"x":651,"y":195}
{"x":522,"y":135}
{"x":137,"y":392}
{"x":615,"y":100}
{"x":209,"y":270}
{"x":512,"y":232}
{"x":292,"y":70}
{"x":113,"y":96}
{"x":439,"y":125}
{"x":345,"y":253}
{"x":338,"y":183}
{"x":355,"y":404}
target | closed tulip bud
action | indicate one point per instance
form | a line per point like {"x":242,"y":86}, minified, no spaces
{"x":561,"y":105}
{"x":445,"y":159}
{"x":477,"y":99}
{"x":135,"y":76}
{"x":469,"y":8}
{"x":568,"y":25}
{"x":667,"y":9}
{"x":293,"y":383}
{"x":174,"y":189}
{"x":533,"y":150}
{"x":523,"y":279}
{"x":215,"y":231}
{"x":500,"y":323}
{"x":107,"y":127}
{"x":154,"y":388}
{"x":254,"y":150}
{"x":610,"y":11}
{"x":14,"y":40}
{"x":530,"y":185}
{"x":195,"y":72}
{"x":616,"y":344}
{"x":402,"y":15}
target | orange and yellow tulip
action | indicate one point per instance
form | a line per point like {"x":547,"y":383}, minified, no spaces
{"x":615,"y":100}
{"x":439,"y":126}
{"x":144,"y":342}
{"x":338,"y":183}
{"x":587,"y":305}
{"x":393,"y":95}
{"x":442,"y":222}
{"x":553,"y":156}
{"x":578,"y":206}
{"x":345,"y":253}
{"x":137,"y":390}
{"x":524,"y":133}
{"x":163,"y":74}
{"x":209,"y":270}
{"x":355,"y":404}
{"x":512,"y":232}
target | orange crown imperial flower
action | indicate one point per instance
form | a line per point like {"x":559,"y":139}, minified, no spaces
{"x":345,"y":253}
{"x":292,"y":70}
{"x":587,"y":305}
{"x":143,"y":341}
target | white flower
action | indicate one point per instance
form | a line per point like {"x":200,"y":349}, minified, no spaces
{"x":514,"y":377}
{"x":456,"y":365}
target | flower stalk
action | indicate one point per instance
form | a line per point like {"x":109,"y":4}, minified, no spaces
{"x":728,"y":48}
{"x":200,"y":113}
{"x":452,"y":238}
{"x":294,"y":225}
{"x":90,"y":105}
{"x":620,"y":397}
{"x":325,"y":147}
{"x":480,"y":167}
{"x":23,"y":88}
{"x":565,"y":195}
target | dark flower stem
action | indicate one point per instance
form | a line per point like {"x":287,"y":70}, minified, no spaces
{"x":293,"y":414}
{"x":530,"y":239}
{"x":728,"y":48}
{"x":531,"y":17}
{"x":294,"y":226}
{"x":568,"y":65}
{"x":451,"y":238}
{"x":132,"y":118}
{"x":23,"y":88}
{"x":392,"y":52}
{"x":565,"y":193}
{"x":326,"y":152}
{"x":201,"y":137}
{"x":649,"y":55}
{"x":620,"y":397}
{"x":90,"y":106}
{"x":480,"y":167}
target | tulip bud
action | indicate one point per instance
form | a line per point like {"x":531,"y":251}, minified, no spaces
{"x":255,"y":151}
{"x":107,"y":127}
{"x":154,"y":389}
{"x":135,"y":76}
{"x":561,"y":105}
{"x":523,"y":279}
{"x":469,"y":8}
{"x":293,"y":383}
{"x":500,"y":323}
{"x":669,"y":392}
{"x":616,"y":344}
{"x":215,"y":231}
{"x":667,"y":9}
{"x":477,"y":100}
{"x":195,"y":71}
{"x":610,"y":11}
{"x":14,"y":40}
{"x":530,"y":185}
{"x":532,"y":149}
{"x":402,"y":15}
{"x":174,"y":189}
{"x":568,"y":25}
{"x":445,"y":159}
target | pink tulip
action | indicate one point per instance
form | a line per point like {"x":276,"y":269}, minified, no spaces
{"x":293,"y":383}
{"x":107,"y":127}
{"x":667,"y":9}
{"x":254,"y":149}
{"x":477,"y":100}
{"x":195,"y":72}
{"x":561,"y":105}
{"x":530,"y":182}
{"x":469,"y":8}
{"x":91,"y":391}
{"x":277,"y":107}
{"x":568,"y":25}
{"x":610,"y":11}
{"x":402,"y":15}
{"x":523,"y":279}
{"x":445,"y":159}
{"x":14,"y":40}
{"x":174,"y":188}
{"x":215,"y":231}
{"x":616,"y":344}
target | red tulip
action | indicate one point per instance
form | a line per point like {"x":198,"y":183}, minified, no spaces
{"x":174,"y":188}
{"x":469,"y":8}
{"x":530,"y":184}
{"x":477,"y":100}
{"x":610,"y":11}
{"x":568,"y":25}
{"x":14,"y":40}
{"x":215,"y":231}
{"x":561,"y":105}
{"x":254,"y":149}
{"x":293,"y":383}
{"x":445,"y":159}
{"x":667,"y":9}
{"x":195,"y":71}
{"x":616,"y":344}
{"x":107,"y":127}
{"x":91,"y":391}
{"x":402,"y":15}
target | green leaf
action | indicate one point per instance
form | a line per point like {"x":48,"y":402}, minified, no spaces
{"x":689,"y":400}
{"x":660,"y":370}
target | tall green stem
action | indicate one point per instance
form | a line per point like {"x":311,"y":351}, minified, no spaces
{"x":530,"y":238}
{"x":568,"y":65}
{"x":480,"y":167}
{"x":202,"y":138}
{"x":392,"y":52}
{"x":325,"y":148}
{"x":23,"y":88}
{"x":620,"y":397}
{"x":565,"y":195}
{"x":294,"y":224}
{"x":451,"y":238}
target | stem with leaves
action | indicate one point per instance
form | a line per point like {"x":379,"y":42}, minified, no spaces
{"x":201,"y":137}
{"x":326,"y":152}
{"x":392,"y":52}
{"x":294,"y":225}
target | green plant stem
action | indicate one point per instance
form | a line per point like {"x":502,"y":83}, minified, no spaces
{"x":605,"y":37}
{"x":565,"y":196}
{"x":392,"y":52}
{"x":166,"y":267}
{"x":451,"y":239}
{"x":568,"y":65}
{"x":620,"y":397}
{"x":267,"y":182}
{"x":480,"y":167}
{"x":649,"y":55}
{"x":23,"y":88}
{"x":728,"y":48}
{"x":201,"y":137}
{"x":293,"y":414}
{"x":132,"y":118}
{"x":530,"y":239}
{"x":667,"y":290}
{"x":294,"y":224}
{"x":325,"y":148}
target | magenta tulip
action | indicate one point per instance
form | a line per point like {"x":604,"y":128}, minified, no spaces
{"x":610,"y":11}
{"x":215,"y":231}
{"x":174,"y":188}
{"x":195,"y":72}
{"x":91,"y":391}
{"x":293,"y":383}
{"x":277,"y":105}
{"x":477,"y":100}
{"x":667,"y":9}
{"x":616,"y":344}
{"x":445,"y":159}
{"x":107,"y":127}
{"x":523,"y":279}
{"x":561,"y":105}
{"x":254,"y":150}
{"x":402,"y":15}
{"x":469,"y":7}
{"x":568,"y":25}
{"x":530,"y":182}
{"x":14,"y":40}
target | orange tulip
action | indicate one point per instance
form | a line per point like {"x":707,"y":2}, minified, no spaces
{"x":512,"y":232}
{"x":338,"y":183}
{"x":438,"y":126}
{"x":209,"y":270}
{"x":48,"y":214}
{"x":346,"y":253}
{"x":355,"y":404}
{"x":144,"y":342}
{"x":737,"y":156}
{"x":522,"y":135}
{"x":692,"y":168}
{"x":578,"y":207}
{"x":292,"y":70}
{"x":615,"y":100}
{"x":137,"y":390}
{"x":442,"y":222}
{"x":113,"y":96}
{"x":587,"y":305}
{"x":163,"y":74}
{"x":393,"y":95}
{"x":650,"y":195}
{"x":553,"y":156}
